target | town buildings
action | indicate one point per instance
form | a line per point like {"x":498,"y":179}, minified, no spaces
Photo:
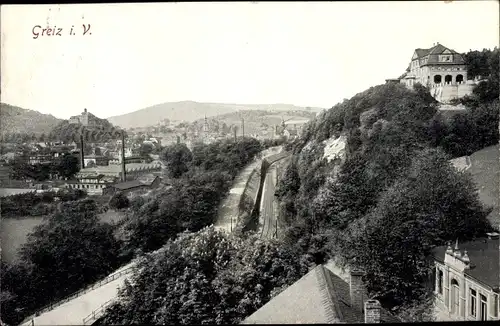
{"x":92,"y":184}
{"x":441,"y":69}
{"x":289,"y":129}
{"x":467,"y":280}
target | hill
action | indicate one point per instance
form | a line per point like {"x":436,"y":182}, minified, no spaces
{"x":97,"y":129}
{"x":394,"y":194}
{"x":14,"y":119}
{"x":190,"y":111}
{"x":257,"y":121}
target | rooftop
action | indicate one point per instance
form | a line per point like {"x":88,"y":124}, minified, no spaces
{"x":115,"y":169}
{"x":484,"y":258}
{"x":434,"y":53}
{"x":129,"y":185}
{"x":320,"y":296}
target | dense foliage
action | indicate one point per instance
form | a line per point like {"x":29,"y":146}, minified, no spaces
{"x":395,"y":197}
{"x":200,"y":179}
{"x":485,"y":65}
{"x":69,"y":250}
{"x":65,"y":167}
{"x":205,"y":278}
{"x":119,"y":201}
{"x":36,"y":204}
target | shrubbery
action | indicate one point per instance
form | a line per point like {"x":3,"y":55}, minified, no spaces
{"x":71,"y":249}
{"x":386,"y":206}
{"x":119,"y":201}
{"x":206,"y":277}
{"x":37,"y":203}
{"x":198,"y":186}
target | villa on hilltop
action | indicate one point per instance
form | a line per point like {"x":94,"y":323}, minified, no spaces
{"x":441,"y":69}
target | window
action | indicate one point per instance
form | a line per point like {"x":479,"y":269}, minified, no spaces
{"x":494,"y":313}
{"x":484,"y":305}
{"x":440,"y":281}
{"x":473,"y":302}
{"x":455,"y":291}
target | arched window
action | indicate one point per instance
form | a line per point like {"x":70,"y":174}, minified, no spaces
{"x":455,"y":295}
{"x":459,"y":78}
{"x":437,"y":79}
{"x":448,"y":78}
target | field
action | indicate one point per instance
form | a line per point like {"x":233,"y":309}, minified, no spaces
{"x":13,"y":234}
{"x":14,"y":231}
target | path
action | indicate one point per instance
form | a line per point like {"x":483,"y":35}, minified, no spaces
{"x":74,"y":311}
{"x":227,"y":216}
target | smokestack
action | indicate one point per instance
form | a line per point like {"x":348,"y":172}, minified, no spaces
{"x":82,"y":163}
{"x":372,"y":312}
{"x":356,"y":288}
{"x":234,"y":134}
{"x":243,"y":127}
{"x":124,"y":176}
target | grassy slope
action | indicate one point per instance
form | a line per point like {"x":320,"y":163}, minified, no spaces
{"x":486,"y":174}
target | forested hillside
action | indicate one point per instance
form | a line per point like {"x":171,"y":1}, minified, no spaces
{"x":396,"y":196}
{"x":98,"y":130}
{"x":15,"y":120}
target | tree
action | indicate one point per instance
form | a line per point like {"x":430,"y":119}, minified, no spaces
{"x":176,"y":158}
{"x":67,"y":166}
{"x":205,"y":277}
{"x":70,"y":250}
{"x":429,"y":206}
{"x":119,"y":201}
{"x":146,"y":149}
{"x":42,"y":138}
{"x":70,"y":194}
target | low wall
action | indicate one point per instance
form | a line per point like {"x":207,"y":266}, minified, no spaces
{"x":446,"y":92}
{"x":247,"y":201}
{"x":253,"y":223}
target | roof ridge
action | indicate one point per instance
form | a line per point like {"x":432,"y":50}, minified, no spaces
{"x":328,"y":296}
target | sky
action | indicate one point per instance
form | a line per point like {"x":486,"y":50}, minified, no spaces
{"x":303,"y":53}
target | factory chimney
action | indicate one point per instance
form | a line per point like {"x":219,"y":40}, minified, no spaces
{"x":124,"y":176}
{"x":82,"y":160}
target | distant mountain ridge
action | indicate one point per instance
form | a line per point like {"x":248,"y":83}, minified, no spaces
{"x":14,"y":119}
{"x":190,"y":111}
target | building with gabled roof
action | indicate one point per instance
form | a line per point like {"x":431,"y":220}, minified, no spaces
{"x":467,"y":280}
{"x":441,"y":69}
{"x":322,"y":296}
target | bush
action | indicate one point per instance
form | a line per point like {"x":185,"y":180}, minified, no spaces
{"x":119,"y":201}
{"x":53,"y":264}
{"x":225,"y":278}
